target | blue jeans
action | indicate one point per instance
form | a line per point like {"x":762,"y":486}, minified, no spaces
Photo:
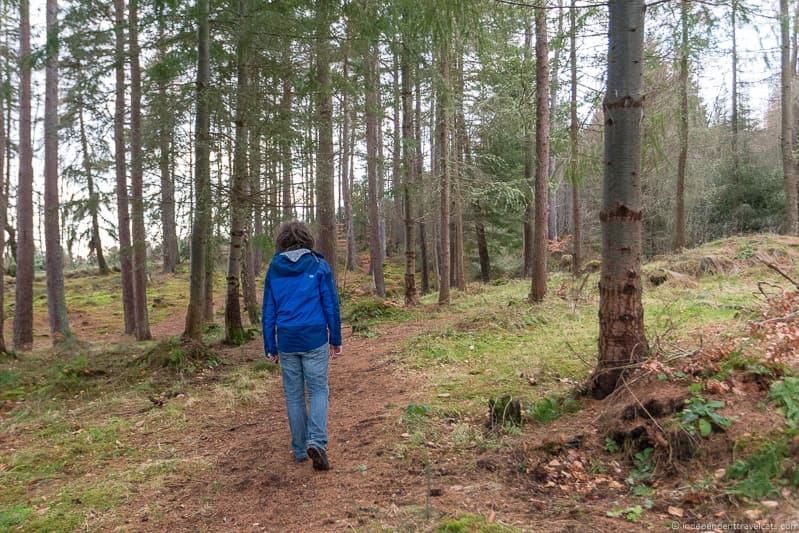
{"x":308,"y":424}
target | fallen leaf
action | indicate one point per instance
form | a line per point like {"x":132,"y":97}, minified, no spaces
{"x":492,"y":517}
{"x":675,"y":511}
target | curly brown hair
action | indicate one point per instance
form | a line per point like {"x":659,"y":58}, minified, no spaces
{"x":293,"y":235}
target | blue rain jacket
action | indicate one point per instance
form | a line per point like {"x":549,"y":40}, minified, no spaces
{"x":301,"y":307}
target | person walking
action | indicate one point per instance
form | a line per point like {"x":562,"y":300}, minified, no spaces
{"x":302,"y":331}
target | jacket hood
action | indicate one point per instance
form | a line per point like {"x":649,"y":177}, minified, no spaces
{"x":295,"y":262}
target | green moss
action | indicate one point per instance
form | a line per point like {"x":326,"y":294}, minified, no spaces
{"x":471,"y":523}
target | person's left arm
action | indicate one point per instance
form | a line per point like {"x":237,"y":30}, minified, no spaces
{"x":330,"y":305}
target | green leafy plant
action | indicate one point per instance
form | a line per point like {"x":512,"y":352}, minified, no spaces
{"x":611,"y":446}
{"x":700,"y":414}
{"x":632,"y":513}
{"x":785,"y":394}
{"x":643,"y":467}
{"x":761,"y":474}
{"x":552,"y":407}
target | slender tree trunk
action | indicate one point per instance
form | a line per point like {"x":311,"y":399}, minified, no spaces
{"x":574,"y":128}
{"x":137,"y":180}
{"x":540,"y":231}
{"x":94,"y":199}
{"x":352,"y":251}
{"x":554,"y":86}
{"x":679,"y":215}
{"x":409,"y":150}
{"x":165,"y":127}
{"x":458,"y":273}
{"x":347,"y":147}
{"x":621,"y":313}
{"x":419,"y":162}
{"x":528,"y":155}
{"x":3,"y":213}
{"x":202,"y":181}
{"x":325,"y":181}
{"x":234,"y":330}
{"x":443,"y":102}
{"x":256,"y":205}
{"x":285,"y":140}
{"x":372,"y":163}
{"x":788,"y":164}
{"x":736,"y":158}
{"x":56,"y":300}
{"x":23,"y":306}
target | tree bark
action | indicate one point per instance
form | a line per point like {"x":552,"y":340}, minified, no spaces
{"x":165,"y":127}
{"x":419,"y":162}
{"x":458,"y":267}
{"x":621,"y":313}
{"x":372,"y":162}
{"x":325,"y":181}
{"x":123,"y":213}
{"x":234,"y":330}
{"x":788,"y":164}
{"x":56,"y":299}
{"x":528,"y":150}
{"x":736,"y":158}
{"x":682,"y":159}
{"x":443,"y":102}
{"x":409,"y":149}
{"x":94,"y":199}
{"x":346,"y":149}
{"x":23,"y":306}
{"x":540,"y":231}
{"x":137,"y":180}
{"x":3,"y":213}
{"x":285,"y":139}
{"x":202,"y":181}
{"x":574,"y":128}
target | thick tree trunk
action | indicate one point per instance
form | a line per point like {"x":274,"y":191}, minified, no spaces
{"x":165,"y":127}
{"x":682,"y":159}
{"x":23,"y":306}
{"x":325,"y":181}
{"x":94,"y":199}
{"x":574,"y":129}
{"x":234,"y":330}
{"x":788,"y":164}
{"x":540,"y":231}
{"x":621,"y":313}
{"x":372,"y":163}
{"x":409,"y":151}
{"x":137,"y":180}
{"x":443,"y":102}
{"x":56,"y":300}
{"x":202,"y":181}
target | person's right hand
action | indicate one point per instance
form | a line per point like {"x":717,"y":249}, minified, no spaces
{"x":272,"y":358}
{"x":335,"y":351}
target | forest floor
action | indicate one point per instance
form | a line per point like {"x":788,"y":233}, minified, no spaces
{"x":116,"y":435}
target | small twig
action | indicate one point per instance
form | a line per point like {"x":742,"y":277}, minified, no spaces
{"x":761,"y":284}
{"x":778,"y":270}
{"x":779,"y":318}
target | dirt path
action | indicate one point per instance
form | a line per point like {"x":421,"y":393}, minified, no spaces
{"x":254,"y":484}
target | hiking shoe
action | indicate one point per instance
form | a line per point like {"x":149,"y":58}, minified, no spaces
{"x":319,"y":458}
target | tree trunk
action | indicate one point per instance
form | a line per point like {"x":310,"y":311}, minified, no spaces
{"x":372,"y":163}
{"x":165,"y":127}
{"x":409,"y":150}
{"x":621,"y":313}
{"x":23,"y":306}
{"x":458,"y":267}
{"x":234,"y":331}
{"x":788,"y":166}
{"x":325,"y":180}
{"x":443,"y":101}
{"x":202,"y":181}
{"x":137,"y":180}
{"x":736,"y":159}
{"x":679,"y":215}
{"x":94,"y":199}
{"x":527,"y":155}
{"x":346,"y":149}
{"x":3,"y":214}
{"x":574,"y":127}
{"x":285,"y":139}
{"x":419,"y":162}
{"x":56,"y":300}
{"x":540,"y":232}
